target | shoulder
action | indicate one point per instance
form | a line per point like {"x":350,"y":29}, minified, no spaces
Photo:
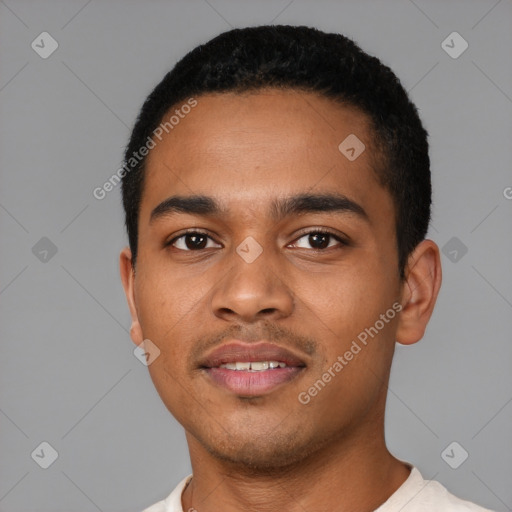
{"x":157,"y":507}
{"x":435,"y":494}
{"x":419,"y":495}
{"x":173,"y":502}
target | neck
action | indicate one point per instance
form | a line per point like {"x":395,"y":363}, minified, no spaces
{"x":356,"y":475}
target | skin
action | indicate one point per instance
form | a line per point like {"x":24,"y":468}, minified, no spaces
{"x":271,"y":452}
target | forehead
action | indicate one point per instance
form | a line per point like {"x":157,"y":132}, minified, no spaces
{"x":245,"y":148}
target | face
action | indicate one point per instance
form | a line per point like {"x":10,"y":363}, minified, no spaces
{"x":263,"y":278}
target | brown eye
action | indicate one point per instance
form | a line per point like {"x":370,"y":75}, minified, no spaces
{"x":191,"y":241}
{"x":319,"y":240}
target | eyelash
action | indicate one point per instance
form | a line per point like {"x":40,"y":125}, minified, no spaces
{"x":316,"y":231}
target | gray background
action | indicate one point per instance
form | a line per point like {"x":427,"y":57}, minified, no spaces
{"x":68,"y":374}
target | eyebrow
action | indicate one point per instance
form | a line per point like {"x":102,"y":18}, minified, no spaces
{"x":279,"y":208}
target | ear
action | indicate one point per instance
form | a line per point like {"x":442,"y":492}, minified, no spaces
{"x":128,"y":278}
{"x":419,"y":292}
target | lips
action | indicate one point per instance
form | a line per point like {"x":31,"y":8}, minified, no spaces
{"x":242,"y":352}
{"x":228,"y":367}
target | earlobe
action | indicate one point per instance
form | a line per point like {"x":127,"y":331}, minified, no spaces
{"x":419,"y":292}
{"x":128,"y":278}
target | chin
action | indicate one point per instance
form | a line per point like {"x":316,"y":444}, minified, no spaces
{"x":264,"y":453}
{"x":257,"y":459}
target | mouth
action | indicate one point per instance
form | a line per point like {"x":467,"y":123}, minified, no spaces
{"x":253,"y":366}
{"x":250,"y":370}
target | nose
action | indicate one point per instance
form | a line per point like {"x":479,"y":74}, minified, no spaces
{"x":253,"y":290}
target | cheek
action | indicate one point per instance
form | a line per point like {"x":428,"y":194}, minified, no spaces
{"x":348,"y":309}
{"x":168,"y":303}
{"x":168,"y":307}
{"x":347,"y":300}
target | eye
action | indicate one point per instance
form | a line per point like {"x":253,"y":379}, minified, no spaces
{"x":194,"y":240}
{"x":320,"y":240}
{"x":191,"y":241}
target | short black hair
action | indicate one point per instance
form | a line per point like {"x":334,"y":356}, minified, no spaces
{"x":304,"y":59}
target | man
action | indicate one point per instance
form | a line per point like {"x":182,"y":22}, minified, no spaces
{"x":277,"y":196}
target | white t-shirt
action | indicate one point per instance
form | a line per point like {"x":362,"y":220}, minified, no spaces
{"x":414,"y":495}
